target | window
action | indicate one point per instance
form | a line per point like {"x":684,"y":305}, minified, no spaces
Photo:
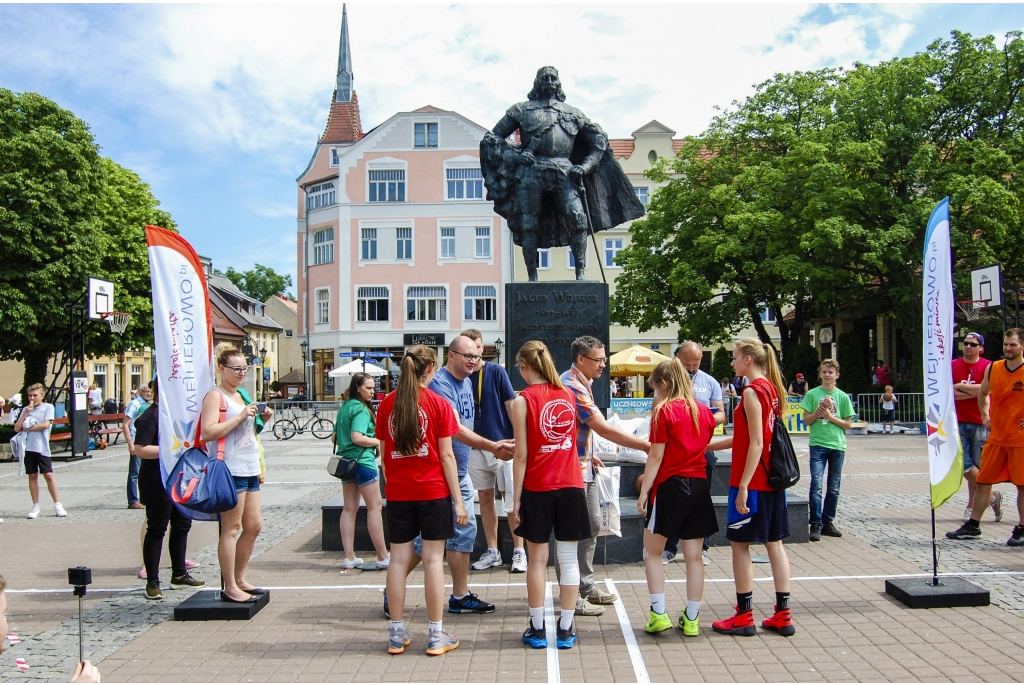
{"x":323,"y":305}
{"x":447,"y":243}
{"x":426,"y":135}
{"x":369,"y":244}
{"x":612,"y":247}
{"x":288,"y":333}
{"x":323,"y":246}
{"x":322,"y":195}
{"x":136,"y":376}
{"x":272,"y":339}
{"x":404,"y":243}
{"x":544,"y":258}
{"x":426,"y":303}
{"x":465,"y":184}
{"x":334,"y":156}
{"x":99,"y":376}
{"x":372,"y":304}
{"x":642,"y":195}
{"x":483,"y":241}
{"x":767,"y":315}
{"x":481,"y":303}
{"x":387,"y":185}
{"x":572,"y":258}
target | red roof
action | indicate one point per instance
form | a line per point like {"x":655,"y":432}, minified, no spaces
{"x":343,"y":123}
{"x":677,"y":144}
{"x":222,"y":325}
{"x":622,"y":147}
{"x":429,"y":109}
{"x":291,"y":304}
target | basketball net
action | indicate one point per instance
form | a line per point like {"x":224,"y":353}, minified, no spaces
{"x":118,"y":321}
{"x":971,"y":308}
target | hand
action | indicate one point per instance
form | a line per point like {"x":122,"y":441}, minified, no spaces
{"x":515,"y":515}
{"x":506,"y":450}
{"x":641,"y":503}
{"x":576,"y":173}
{"x":85,"y":672}
{"x":461,"y":517}
{"x":250,"y":411}
{"x":267,"y":413}
{"x":741,"y":501}
{"x":263,"y":479}
{"x":987,"y":420}
{"x":527,"y":159}
{"x":598,"y":464}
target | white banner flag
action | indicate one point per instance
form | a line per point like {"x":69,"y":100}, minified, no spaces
{"x":183,"y":337}
{"x":945,"y":457}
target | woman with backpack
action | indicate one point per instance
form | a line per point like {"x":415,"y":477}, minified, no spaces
{"x":229,"y":421}
{"x":354,"y":439}
{"x":159,"y":510}
{"x":422,"y":476}
{"x":757,"y":512}
{"x":675,"y":495}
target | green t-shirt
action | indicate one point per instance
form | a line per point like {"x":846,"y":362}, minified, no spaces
{"x":354,"y":416}
{"x":825,"y":433}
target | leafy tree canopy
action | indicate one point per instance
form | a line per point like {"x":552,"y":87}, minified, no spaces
{"x":260,"y":282}
{"x":812,"y":196}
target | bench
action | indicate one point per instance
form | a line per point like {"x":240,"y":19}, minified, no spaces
{"x":99,"y":426}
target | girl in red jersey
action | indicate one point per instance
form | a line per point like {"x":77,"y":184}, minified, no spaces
{"x":417,"y":456}
{"x":675,"y":495}
{"x":757,"y":512}
{"x":549,"y":491}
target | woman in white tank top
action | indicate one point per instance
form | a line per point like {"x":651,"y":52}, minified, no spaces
{"x":237,"y":428}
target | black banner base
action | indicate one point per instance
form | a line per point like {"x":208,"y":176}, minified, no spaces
{"x":919,"y":593}
{"x":206,"y":605}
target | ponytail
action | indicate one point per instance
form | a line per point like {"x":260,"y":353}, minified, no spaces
{"x":764,"y":358}
{"x":536,"y":355}
{"x":677,"y":384}
{"x":405,"y":416}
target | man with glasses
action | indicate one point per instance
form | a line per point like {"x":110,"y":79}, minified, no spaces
{"x":589,"y":361}
{"x":968,"y":372}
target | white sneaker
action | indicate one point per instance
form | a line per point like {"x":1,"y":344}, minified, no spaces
{"x":667,"y":557}
{"x":347,"y":564}
{"x":519,"y":561}
{"x":33,"y":512}
{"x":58,"y":509}
{"x":385,"y":562}
{"x":705,"y":557}
{"x":487,"y":560}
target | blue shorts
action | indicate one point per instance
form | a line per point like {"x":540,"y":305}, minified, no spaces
{"x":972,"y":439}
{"x":246,"y":483}
{"x":465,"y":536}
{"x":363,"y":475}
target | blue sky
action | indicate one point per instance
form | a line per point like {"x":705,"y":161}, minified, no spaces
{"x":218,"y":107}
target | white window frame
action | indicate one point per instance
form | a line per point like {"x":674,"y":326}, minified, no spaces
{"x":768,"y":316}
{"x":366,"y":240}
{"x":360,"y":297}
{"x":482,"y":242}
{"x":322,"y":307}
{"x":404,"y":241}
{"x":321,"y":196}
{"x":323,"y":246}
{"x":569,"y":263}
{"x":466,"y":297}
{"x":446,"y":241}
{"x":390,"y":165}
{"x":406,"y":298}
{"x":544,"y":258}
{"x":463,"y":167}
{"x":426,"y":134}
{"x":466,"y":227}
{"x":387,"y":229}
{"x":615,"y":251}
{"x":100,"y":370}
{"x":335,"y":158}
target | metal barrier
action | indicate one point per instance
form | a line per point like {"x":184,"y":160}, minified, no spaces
{"x":909,"y":408}
{"x":292,"y":417}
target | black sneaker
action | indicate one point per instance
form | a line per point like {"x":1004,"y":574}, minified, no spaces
{"x":1017,"y":538}
{"x":566,"y":638}
{"x":536,"y":638}
{"x":470,"y":603}
{"x":387,"y":611}
{"x":153,"y":590}
{"x":968,"y":531}
{"x":827,"y":528}
{"x":815,"y":534}
{"x":187,"y":581}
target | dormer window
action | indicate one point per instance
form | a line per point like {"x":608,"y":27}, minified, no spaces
{"x":425,"y":135}
{"x":334,"y":156}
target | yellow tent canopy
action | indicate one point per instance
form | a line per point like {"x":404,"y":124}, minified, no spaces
{"x":636,"y":359}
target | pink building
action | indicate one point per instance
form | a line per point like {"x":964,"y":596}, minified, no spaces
{"x":396,"y":243}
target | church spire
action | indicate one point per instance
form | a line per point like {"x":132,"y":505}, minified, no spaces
{"x":344,"y":85}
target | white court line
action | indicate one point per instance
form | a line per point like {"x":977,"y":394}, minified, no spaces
{"x":300,"y":588}
{"x":550,"y":625}
{"x":639,"y":668}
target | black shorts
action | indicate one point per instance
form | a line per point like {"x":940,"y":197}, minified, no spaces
{"x":888,"y":415}
{"x":433,"y":519}
{"x":37,"y":463}
{"x":682,"y":509}
{"x":768,"y":520}
{"x":563,"y":511}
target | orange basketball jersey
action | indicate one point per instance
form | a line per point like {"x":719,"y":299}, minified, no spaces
{"x":1007,"y":405}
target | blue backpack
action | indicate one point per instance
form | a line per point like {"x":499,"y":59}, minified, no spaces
{"x":203,"y":483}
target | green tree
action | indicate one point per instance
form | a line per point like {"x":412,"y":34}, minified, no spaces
{"x":855,"y":372}
{"x":260,"y":282}
{"x":803,"y":358}
{"x":721,"y":364}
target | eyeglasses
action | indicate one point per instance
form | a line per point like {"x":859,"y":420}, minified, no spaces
{"x":238,"y":369}
{"x":970,"y":344}
{"x":603,"y":361}
{"x":468,"y":357}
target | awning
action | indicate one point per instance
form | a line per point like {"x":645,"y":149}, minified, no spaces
{"x":636,"y":359}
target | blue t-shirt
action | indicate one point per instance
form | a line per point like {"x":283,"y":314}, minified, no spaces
{"x":492,"y":420}
{"x":460,"y":395}
{"x":706,"y":389}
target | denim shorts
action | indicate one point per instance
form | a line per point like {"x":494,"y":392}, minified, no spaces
{"x":972,"y":439}
{"x":363,"y":475}
{"x":246,"y":483}
{"x":465,"y":536}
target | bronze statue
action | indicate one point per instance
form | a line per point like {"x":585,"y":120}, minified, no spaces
{"x":561,"y":182}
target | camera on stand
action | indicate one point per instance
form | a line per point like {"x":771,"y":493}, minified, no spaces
{"x":80,"y":577}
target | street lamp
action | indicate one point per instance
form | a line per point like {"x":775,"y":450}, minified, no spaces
{"x":305,"y":349}
{"x":497,"y":348}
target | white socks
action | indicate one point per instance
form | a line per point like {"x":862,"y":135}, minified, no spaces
{"x":658,"y":603}
{"x":537,"y":618}
{"x":692,"y":609}
{"x":435,"y":627}
{"x":565,"y":620}
{"x":397,"y":626}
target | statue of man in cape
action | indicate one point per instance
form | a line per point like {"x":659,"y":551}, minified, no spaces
{"x":561,"y":182}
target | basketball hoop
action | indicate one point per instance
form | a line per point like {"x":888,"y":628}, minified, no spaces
{"x":118,"y":321}
{"x":971,"y":308}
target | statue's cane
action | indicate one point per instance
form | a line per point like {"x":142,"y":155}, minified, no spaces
{"x":590,"y":227}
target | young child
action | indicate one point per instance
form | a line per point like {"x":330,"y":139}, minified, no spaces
{"x":888,"y":402}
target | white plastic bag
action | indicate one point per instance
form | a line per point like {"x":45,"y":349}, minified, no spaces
{"x":640,"y":427}
{"x":608,"y":492}
{"x":605,"y":449}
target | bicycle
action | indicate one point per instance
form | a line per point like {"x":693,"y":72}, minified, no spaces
{"x":285,"y":429}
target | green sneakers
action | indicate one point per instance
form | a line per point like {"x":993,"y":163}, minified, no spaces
{"x":689,"y":628}
{"x":659,"y":623}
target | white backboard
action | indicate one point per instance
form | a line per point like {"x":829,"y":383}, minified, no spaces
{"x":100,"y":297}
{"x":987,"y":285}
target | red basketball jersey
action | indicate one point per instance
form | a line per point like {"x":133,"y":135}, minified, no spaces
{"x":552,"y":462}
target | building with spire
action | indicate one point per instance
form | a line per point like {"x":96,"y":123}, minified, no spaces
{"x":396,"y":244}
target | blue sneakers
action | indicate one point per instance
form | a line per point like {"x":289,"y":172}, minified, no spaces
{"x":535,"y":638}
{"x":470,"y":603}
{"x":566,"y":638}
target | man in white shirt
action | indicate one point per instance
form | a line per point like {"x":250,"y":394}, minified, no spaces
{"x":137,"y":406}
{"x":35,"y":421}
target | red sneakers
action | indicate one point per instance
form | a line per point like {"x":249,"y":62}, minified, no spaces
{"x":781,"y":623}
{"x":740,"y":624}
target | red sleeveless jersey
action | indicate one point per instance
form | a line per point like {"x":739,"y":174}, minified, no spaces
{"x":770,"y":406}
{"x":552,"y":462}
